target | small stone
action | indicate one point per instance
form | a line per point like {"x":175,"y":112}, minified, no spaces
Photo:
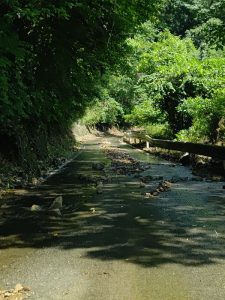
{"x":34,"y":181}
{"x":7,"y":294}
{"x":155,"y":193}
{"x":18,"y":288}
{"x":57,"y":203}
{"x":148,"y":195}
{"x":35,"y":208}
{"x":142,"y":185}
{"x":5,"y":206}
{"x":98,"y":166}
{"x":185,"y":159}
{"x":161,"y":189}
{"x":216,"y":178}
{"x":167,"y":184}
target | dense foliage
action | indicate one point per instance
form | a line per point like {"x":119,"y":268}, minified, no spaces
{"x":52,"y":58}
{"x":180,"y":88}
{"x":177,"y":70}
{"x":203,"y":20}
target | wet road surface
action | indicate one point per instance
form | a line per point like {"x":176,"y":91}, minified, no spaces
{"x":117,"y":244}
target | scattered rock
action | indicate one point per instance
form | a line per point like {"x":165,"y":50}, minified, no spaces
{"x":167,"y":184}
{"x":57,"y":203}
{"x":149,"y":195}
{"x":162,"y":187}
{"x":34,"y":181}
{"x":18,"y":288}
{"x":199,"y":162}
{"x":155,"y":193}
{"x":185,"y":159}
{"x":18,"y":293}
{"x":98,"y":166}
{"x":5,"y":206}
{"x":36,"y":208}
{"x":92,"y":210}
{"x":216,"y":178}
{"x":99,"y":187}
{"x":123,"y":164}
{"x":142,"y":185}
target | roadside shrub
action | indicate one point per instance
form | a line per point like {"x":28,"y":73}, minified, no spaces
{"x":159,"y":131}
{"x":208,"y":115}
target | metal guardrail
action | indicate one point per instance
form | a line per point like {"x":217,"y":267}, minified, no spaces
{"x":201,"y":149}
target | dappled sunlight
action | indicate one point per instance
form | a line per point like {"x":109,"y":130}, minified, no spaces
{"x":120,"y":223}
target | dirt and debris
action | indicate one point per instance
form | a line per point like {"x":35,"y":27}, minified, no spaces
{"x":93,"y":179}
{"x":122,"y":163}
{"x":19,"y":292}
{"x":162,"y":187}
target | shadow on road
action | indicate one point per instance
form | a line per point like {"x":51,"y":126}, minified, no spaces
{"x":181,"y":226}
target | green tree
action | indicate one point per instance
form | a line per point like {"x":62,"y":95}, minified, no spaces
{"x":53,"y":55}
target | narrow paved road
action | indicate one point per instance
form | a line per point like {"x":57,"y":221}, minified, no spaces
{"x":118,"y":245}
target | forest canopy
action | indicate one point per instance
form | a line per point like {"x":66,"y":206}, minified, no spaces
{"x":155,"y":64}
